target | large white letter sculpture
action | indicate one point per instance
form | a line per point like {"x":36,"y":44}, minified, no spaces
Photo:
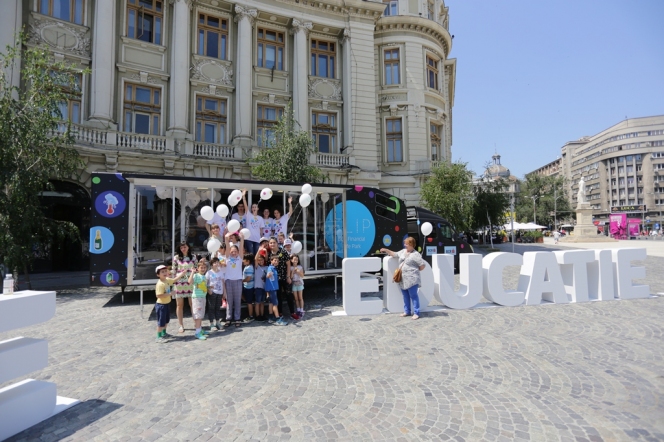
{"x":470,"y":280}
{"x":492,"y":269}
{"x":354,"y":284}
{"x":28,"y":402}
{"x":600,"y":277}
{"x":541,"y":279}
{"x":625,"y":272}
{"x":574,"y":270}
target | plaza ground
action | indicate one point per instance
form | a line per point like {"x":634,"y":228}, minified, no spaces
{"x":576,"y":372}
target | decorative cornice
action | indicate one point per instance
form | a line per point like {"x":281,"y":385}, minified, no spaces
{"x":370,"y":10}
{"x":346,"y":37}
{"x":81,"y":46}
{"x":242,"y":12}
{"x":399,"y":24}
{"x":143,"y":77}
{"x":189,"y":3}
{"x":297,"y":26}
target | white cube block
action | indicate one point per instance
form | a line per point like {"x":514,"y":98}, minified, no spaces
{"x":21,"y":356}
{"x":26,"y":308}
{"x":25,"y":404}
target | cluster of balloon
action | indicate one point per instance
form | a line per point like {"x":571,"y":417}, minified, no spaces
{"x":164,"y":192}
{"x":266,"y":193}
{"x":296,"y":247}
{"x":192,"y":198}
{"x":206,"y":194}
{"x":213,"y":245}
{"x":233,"y":226}
{"x":305,"y":198}
{"x":246,"y":233}
{"x":427,"y":228}
{"x":222,"y":210}
{"x":234,"y":198}
{"x":207,"y":213}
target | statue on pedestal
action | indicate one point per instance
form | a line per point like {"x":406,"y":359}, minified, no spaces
{"x":581,"y":194}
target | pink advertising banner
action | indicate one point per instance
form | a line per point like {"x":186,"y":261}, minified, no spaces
{"x":634,"y":224}
{"x":618,"y":224}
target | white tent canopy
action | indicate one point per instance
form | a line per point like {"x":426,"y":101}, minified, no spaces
{"x":533,"y":226}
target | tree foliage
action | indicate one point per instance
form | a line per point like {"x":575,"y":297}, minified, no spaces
{"x":35,"y":146}
{"x":550,"y":197}
{"x":491,"y":203}
{"x":286,"y":159}
{"x":449,"y":193}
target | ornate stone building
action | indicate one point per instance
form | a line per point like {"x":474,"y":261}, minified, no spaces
{"x":194,"y":87}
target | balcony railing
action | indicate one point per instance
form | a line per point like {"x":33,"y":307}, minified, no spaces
{"x":331,"y":159}
{"x":214,"y":150}
{"x":141,"y":141}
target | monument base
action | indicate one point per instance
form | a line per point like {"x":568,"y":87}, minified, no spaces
{"x":585,"y":230}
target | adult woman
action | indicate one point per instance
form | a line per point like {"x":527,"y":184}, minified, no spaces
{"x":268,"y":228}
{"x":183,"y":260}
{"x":411,"y":263}
{"x":281,"y":221}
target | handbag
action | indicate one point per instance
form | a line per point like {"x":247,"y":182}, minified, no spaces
{"x":396,"y":277}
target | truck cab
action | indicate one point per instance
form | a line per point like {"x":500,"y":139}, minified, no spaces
{"x":442,"y":240}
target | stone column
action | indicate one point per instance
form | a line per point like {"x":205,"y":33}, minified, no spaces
{"x":347,"y":92}
{"x":103,"y":66}
{"x":178,"y":100}
{"x":300,"y":31}
{"x":243,"y":74}
{"x":11,"y":24}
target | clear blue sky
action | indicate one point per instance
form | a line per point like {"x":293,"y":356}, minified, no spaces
{"x":532,"y":74}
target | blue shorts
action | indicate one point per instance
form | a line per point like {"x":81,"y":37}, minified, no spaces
{"x":260,"y":295}
{"x":273,"y":297}
{"x":163,"y":313}
{"x":249,"y":295}
{"x":298,"y":288}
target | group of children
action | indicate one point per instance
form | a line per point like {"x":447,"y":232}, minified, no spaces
{"x":226,"y":281}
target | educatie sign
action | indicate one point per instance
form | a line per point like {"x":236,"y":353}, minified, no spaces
{"x":559,"y":277}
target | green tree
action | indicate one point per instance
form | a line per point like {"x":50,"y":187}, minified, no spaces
{"x":449,"y":193}
{"x":35,"y":146}
{"x":286,"y":159}
{"x":551,"y":203}
{"x":491,"y":203}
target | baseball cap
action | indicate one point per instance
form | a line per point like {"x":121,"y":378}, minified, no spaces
{"x":263,"y":239}
{"x":159,"y":268}
{"x":288,"y":242}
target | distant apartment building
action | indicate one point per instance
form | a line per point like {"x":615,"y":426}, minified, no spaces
{"x":551,"y":169}
{"x":622,"y":167}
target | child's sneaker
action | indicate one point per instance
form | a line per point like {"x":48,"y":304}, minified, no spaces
{"x":200,"y":336}
{"x":282,"y":321}
{"x":271,"y":320}
{"x":301,"y":313}
{"x":167,"y":336}
{"x":248,"y":319}
{"x":205,"y":332}
{"x":295,"y":316}
{"x":160,"y":340}
{"x":214,"y":327}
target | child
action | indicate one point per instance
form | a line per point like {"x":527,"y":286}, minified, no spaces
{"x":215,"y":285}
{"x":198,"y":299}
{"x":259,"y":286}
{"x":234,"y":278}
{"x":161,"y":308}
{"x":297,"y":275}
{"x":248,"y":285}
{"x":271,"y":287}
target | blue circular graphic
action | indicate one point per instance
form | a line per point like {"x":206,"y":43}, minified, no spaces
{"x":109,"y":277}
{"x":387,"y":240}
{"x":110,"y":204}
{"x":361,"y":229}
{"x":101,"y":240}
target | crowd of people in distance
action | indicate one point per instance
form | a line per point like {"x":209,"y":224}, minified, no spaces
{"x":261,"y":273}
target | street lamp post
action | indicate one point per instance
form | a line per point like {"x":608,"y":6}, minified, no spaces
{"x":534,"y":211}
{"x":512,"y":217}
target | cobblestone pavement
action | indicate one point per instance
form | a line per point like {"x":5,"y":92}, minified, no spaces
{"x":577,"y":372}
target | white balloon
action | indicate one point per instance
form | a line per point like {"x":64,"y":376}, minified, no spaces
{"x":325,"y":197}
{"x":207,"y":213}
{"x":266,"y":193}
{"x":246,"y":233}
{"x":233,"y":226}
{"x":305,"y":200}
{"x":213,"y":245}
{"x":192,"y":197}
{"x":306,"y":189}
{"x":427,"y":228}
{"x":222,"y":210}
{"x":217,"y":197}
{"x":205,"y":195}
{"x":234,"y":198}
{"x":296,"y":247}
{"x":164,"y":192}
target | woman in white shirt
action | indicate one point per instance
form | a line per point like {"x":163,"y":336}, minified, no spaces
{"x":281,"y":221}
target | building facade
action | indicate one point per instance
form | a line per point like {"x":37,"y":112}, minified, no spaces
{"x":623,"y":170}
{"x":194,"y":87}
{"x":551,"y":169}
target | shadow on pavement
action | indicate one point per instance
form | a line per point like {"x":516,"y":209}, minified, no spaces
{"x":71,"y":420}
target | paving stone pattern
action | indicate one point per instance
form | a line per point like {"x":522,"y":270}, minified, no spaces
{"x":577,"y":372}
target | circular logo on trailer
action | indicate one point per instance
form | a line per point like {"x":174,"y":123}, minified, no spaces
{"x":109,"y":277}
{"x":361,"y":229}
{"x":387,"y":240}
{"x":101,"y":240}
{"x":110,"y":204}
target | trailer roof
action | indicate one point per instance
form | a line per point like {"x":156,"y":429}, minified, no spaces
{"x":182,"y":181}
